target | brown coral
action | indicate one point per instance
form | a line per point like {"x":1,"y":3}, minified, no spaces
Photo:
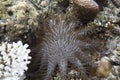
{"x":23,"y":18}
{"x":86,"y":10}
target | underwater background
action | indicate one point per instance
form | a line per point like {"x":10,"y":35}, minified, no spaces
{"x":23,"y":29}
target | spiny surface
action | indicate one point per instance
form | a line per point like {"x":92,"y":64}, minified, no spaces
{"x":59,"y":46}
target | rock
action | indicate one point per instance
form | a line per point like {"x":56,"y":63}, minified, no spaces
{"x":44,"y":3}
{"x":104,"y":68}
{"x":86,"y":10}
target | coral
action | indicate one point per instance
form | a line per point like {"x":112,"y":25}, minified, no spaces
{"x":23,"y":18}
{"x":63,"y":43}
{"x":3,"y":14}
{"x":13,"y":60}
{"x":85,"y":10}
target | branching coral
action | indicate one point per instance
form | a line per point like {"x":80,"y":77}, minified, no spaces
{"x":13,"y":60}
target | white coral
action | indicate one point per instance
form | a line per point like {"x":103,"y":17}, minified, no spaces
{"x":13,"y":60}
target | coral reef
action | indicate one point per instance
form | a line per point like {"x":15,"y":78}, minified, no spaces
{"x":93,"y":22}
{"x":14,"y":58}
